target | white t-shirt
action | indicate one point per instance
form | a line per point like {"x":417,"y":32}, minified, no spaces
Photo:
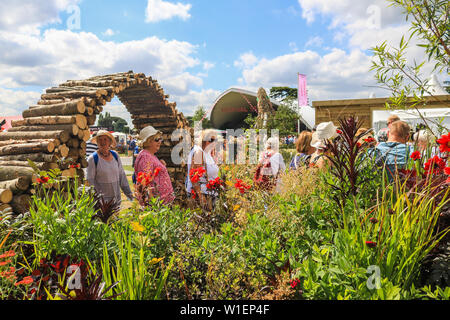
{"x":212,"y":170}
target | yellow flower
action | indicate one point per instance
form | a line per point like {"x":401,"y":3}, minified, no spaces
{"x":136,"y":226}
{"x":229,"y":183}
{"x":236,"y":207}
{"x":155,"y":260}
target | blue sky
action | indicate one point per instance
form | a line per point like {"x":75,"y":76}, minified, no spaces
{"x":196,"y":49}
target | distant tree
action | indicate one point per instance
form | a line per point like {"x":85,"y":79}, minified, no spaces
{"x":118,"y":124}
{"x":283,"y":93}
{"x":189,"y":119}
{"x":285,"y":120}
{"x":198,"y":116}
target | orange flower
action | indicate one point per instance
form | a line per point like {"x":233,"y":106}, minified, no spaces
{"x":8,"y":254}
{"x":25,"y":281}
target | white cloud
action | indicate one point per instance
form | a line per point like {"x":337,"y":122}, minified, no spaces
{"x":315,"y":41}
{"x":27,"y":16}
{"x":158,"y":10}
{"x":246,"y":60}
{"x":13,"y":102}
{"x":335,"y":75}
{"x":208,"y":65}
{"x":109,"y":32}
{"x":189,"y":102}
{"x":293,"y":46}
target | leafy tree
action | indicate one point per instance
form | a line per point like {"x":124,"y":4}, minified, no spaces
{"x":430,"y":23}
{"x":117,"y":123}
{"x":198,"y":116}
{"x":283,"y":93}
{"x":285,"y":120}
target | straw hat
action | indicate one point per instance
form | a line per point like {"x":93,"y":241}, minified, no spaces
{"x":148,"y":132}
{"x":105,"y":133}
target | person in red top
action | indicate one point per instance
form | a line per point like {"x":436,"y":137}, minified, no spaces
{"x":147,"y":162}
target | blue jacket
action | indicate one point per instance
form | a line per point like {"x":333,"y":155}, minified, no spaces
{"x":394,"y":155}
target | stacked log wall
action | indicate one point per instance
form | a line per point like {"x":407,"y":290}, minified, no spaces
{"x":57,"y":128}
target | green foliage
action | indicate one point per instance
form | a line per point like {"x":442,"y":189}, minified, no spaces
{"x":63,"y":224}
{"x":116,"y":123}
{"x":284,"y":120}
{"x":282,"y":93}
{"x":199,"y":114}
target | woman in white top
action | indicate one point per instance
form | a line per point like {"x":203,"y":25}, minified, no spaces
{"x":105,"y":171}
{"x":277,"y":165}
{"x":201,"y":156}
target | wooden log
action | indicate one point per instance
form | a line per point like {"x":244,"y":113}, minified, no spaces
{"x":37,"y":157}
{"x":91,"y":120}
{"x":71,"y":94}
{"x":99,"y":91}
{"x":11,"y":142}
{"x":21,"y":203}
{"x":89,"y":111}
{"x":49,"y":102}
{"x":73,"y":143}
{"x":39,"y":165}
{"x":5,"y":207}
{"x":71,"y":128}
{"x":67,"y":108}
{"x":86,"y":135}
{"x":6,"y":195}
{"x":78,"y":119}
{"x":16,"y":185}
{"x":25,"y":148}
{"x":62,"y":135}
{"x":11,"y":173}
{"x":63,"y":151}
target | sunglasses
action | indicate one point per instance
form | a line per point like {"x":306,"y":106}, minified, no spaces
{"x":212,"y":139}
{"x":158,"y":139}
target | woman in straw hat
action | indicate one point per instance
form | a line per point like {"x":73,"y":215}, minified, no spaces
{"x":105,"y":171}
{"x":147,"y":162}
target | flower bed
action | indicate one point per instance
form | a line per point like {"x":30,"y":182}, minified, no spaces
{"x":341,"y":233}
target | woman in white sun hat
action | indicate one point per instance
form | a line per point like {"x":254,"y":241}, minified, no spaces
{"x":105,"y":171}
{"x":147,"y":162}
{"x":324,"y":131}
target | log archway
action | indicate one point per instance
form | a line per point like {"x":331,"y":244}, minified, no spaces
{"x":58,"y":126}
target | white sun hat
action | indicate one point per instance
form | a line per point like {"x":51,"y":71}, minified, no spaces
{"x":148,"y":132}
{"x":326,"y":130}
{"x":316,"y":142}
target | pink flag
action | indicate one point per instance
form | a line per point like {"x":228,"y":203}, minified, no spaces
{"x":302,"y":94}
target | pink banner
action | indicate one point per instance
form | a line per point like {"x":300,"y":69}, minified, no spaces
{"x":302,"y":94}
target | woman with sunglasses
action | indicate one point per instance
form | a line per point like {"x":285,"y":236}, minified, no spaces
{"x":147,"y":162}
{"x":201,"y":155}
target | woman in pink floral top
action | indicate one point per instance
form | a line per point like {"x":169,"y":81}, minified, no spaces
{"x":147,"y":162}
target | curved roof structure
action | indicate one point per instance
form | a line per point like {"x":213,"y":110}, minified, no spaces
{"x":232,"y":107}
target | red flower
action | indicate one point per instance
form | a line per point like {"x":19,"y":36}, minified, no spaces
{"x":435,"y":164}
{"x":444,"y":143}
{"x":194,"y":194}
{"x":369,"y":140}
{"x":241,"y":186}
{"x":373,"y":220}
{"x":371,"y":244}
{"x":196,"y":174}
{"x":358,"y":144}
{"x":214,"y":184}
{"x":25,"y":281}
{"x":156,"y":172}
{"x":4,"y":263}
{"x":294,"y":283}
{"x":416,"y":155}
{"x":75,"y":166}
{"x":447,"y":171}
{"x":339,"y":131}
{"x":42,"y":180}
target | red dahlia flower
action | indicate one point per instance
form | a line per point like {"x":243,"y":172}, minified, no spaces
{"x":42,"y":180}
{"x":447,"y":171}
{"x":196,"y":174}
{"x":444,"y":143}
{"x":435,"y":164}
{"x":416,"y":155}
{"x":369,"y":140}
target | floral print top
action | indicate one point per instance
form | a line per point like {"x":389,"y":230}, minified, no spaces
{"x":147,"y":162}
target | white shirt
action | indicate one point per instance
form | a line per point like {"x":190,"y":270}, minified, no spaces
{"x":212,"y":170}
{"x":278,"y":166}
